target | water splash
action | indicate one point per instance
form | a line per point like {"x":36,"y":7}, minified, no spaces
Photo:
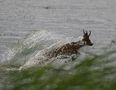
{"x":31,"y":48}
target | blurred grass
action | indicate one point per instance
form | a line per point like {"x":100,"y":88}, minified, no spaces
{"x":90,"y":74}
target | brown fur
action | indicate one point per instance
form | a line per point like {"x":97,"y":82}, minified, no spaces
{"x":71,"y":48}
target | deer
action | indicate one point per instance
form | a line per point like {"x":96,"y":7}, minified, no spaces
{"x":72,"y":47}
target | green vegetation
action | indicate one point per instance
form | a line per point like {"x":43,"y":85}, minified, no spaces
{"x":91,"y":73}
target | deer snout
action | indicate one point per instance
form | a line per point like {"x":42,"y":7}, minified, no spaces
{"x":91,"y":44}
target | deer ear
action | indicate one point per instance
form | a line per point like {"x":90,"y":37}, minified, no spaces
{"x":86,"y":32}
{"x":89,"y":33}
{"x":83,"y":31}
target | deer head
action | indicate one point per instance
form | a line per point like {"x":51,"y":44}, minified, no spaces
{"x":86,"y":39}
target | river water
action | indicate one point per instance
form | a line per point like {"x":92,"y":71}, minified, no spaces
{"x":30,"y":23}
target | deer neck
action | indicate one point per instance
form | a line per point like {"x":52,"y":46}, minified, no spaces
{"x":81,"y":43}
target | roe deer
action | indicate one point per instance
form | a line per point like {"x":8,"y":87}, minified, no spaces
{"x":73,"y":47}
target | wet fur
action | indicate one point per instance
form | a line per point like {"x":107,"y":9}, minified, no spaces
{"x":71,"y":48}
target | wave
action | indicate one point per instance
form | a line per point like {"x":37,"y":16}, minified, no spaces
{"x":29,"y":50}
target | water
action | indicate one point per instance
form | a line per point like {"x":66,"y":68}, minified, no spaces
{"x":30,"y":27}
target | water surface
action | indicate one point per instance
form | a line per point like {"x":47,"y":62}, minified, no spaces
{"x":28,"y":27}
